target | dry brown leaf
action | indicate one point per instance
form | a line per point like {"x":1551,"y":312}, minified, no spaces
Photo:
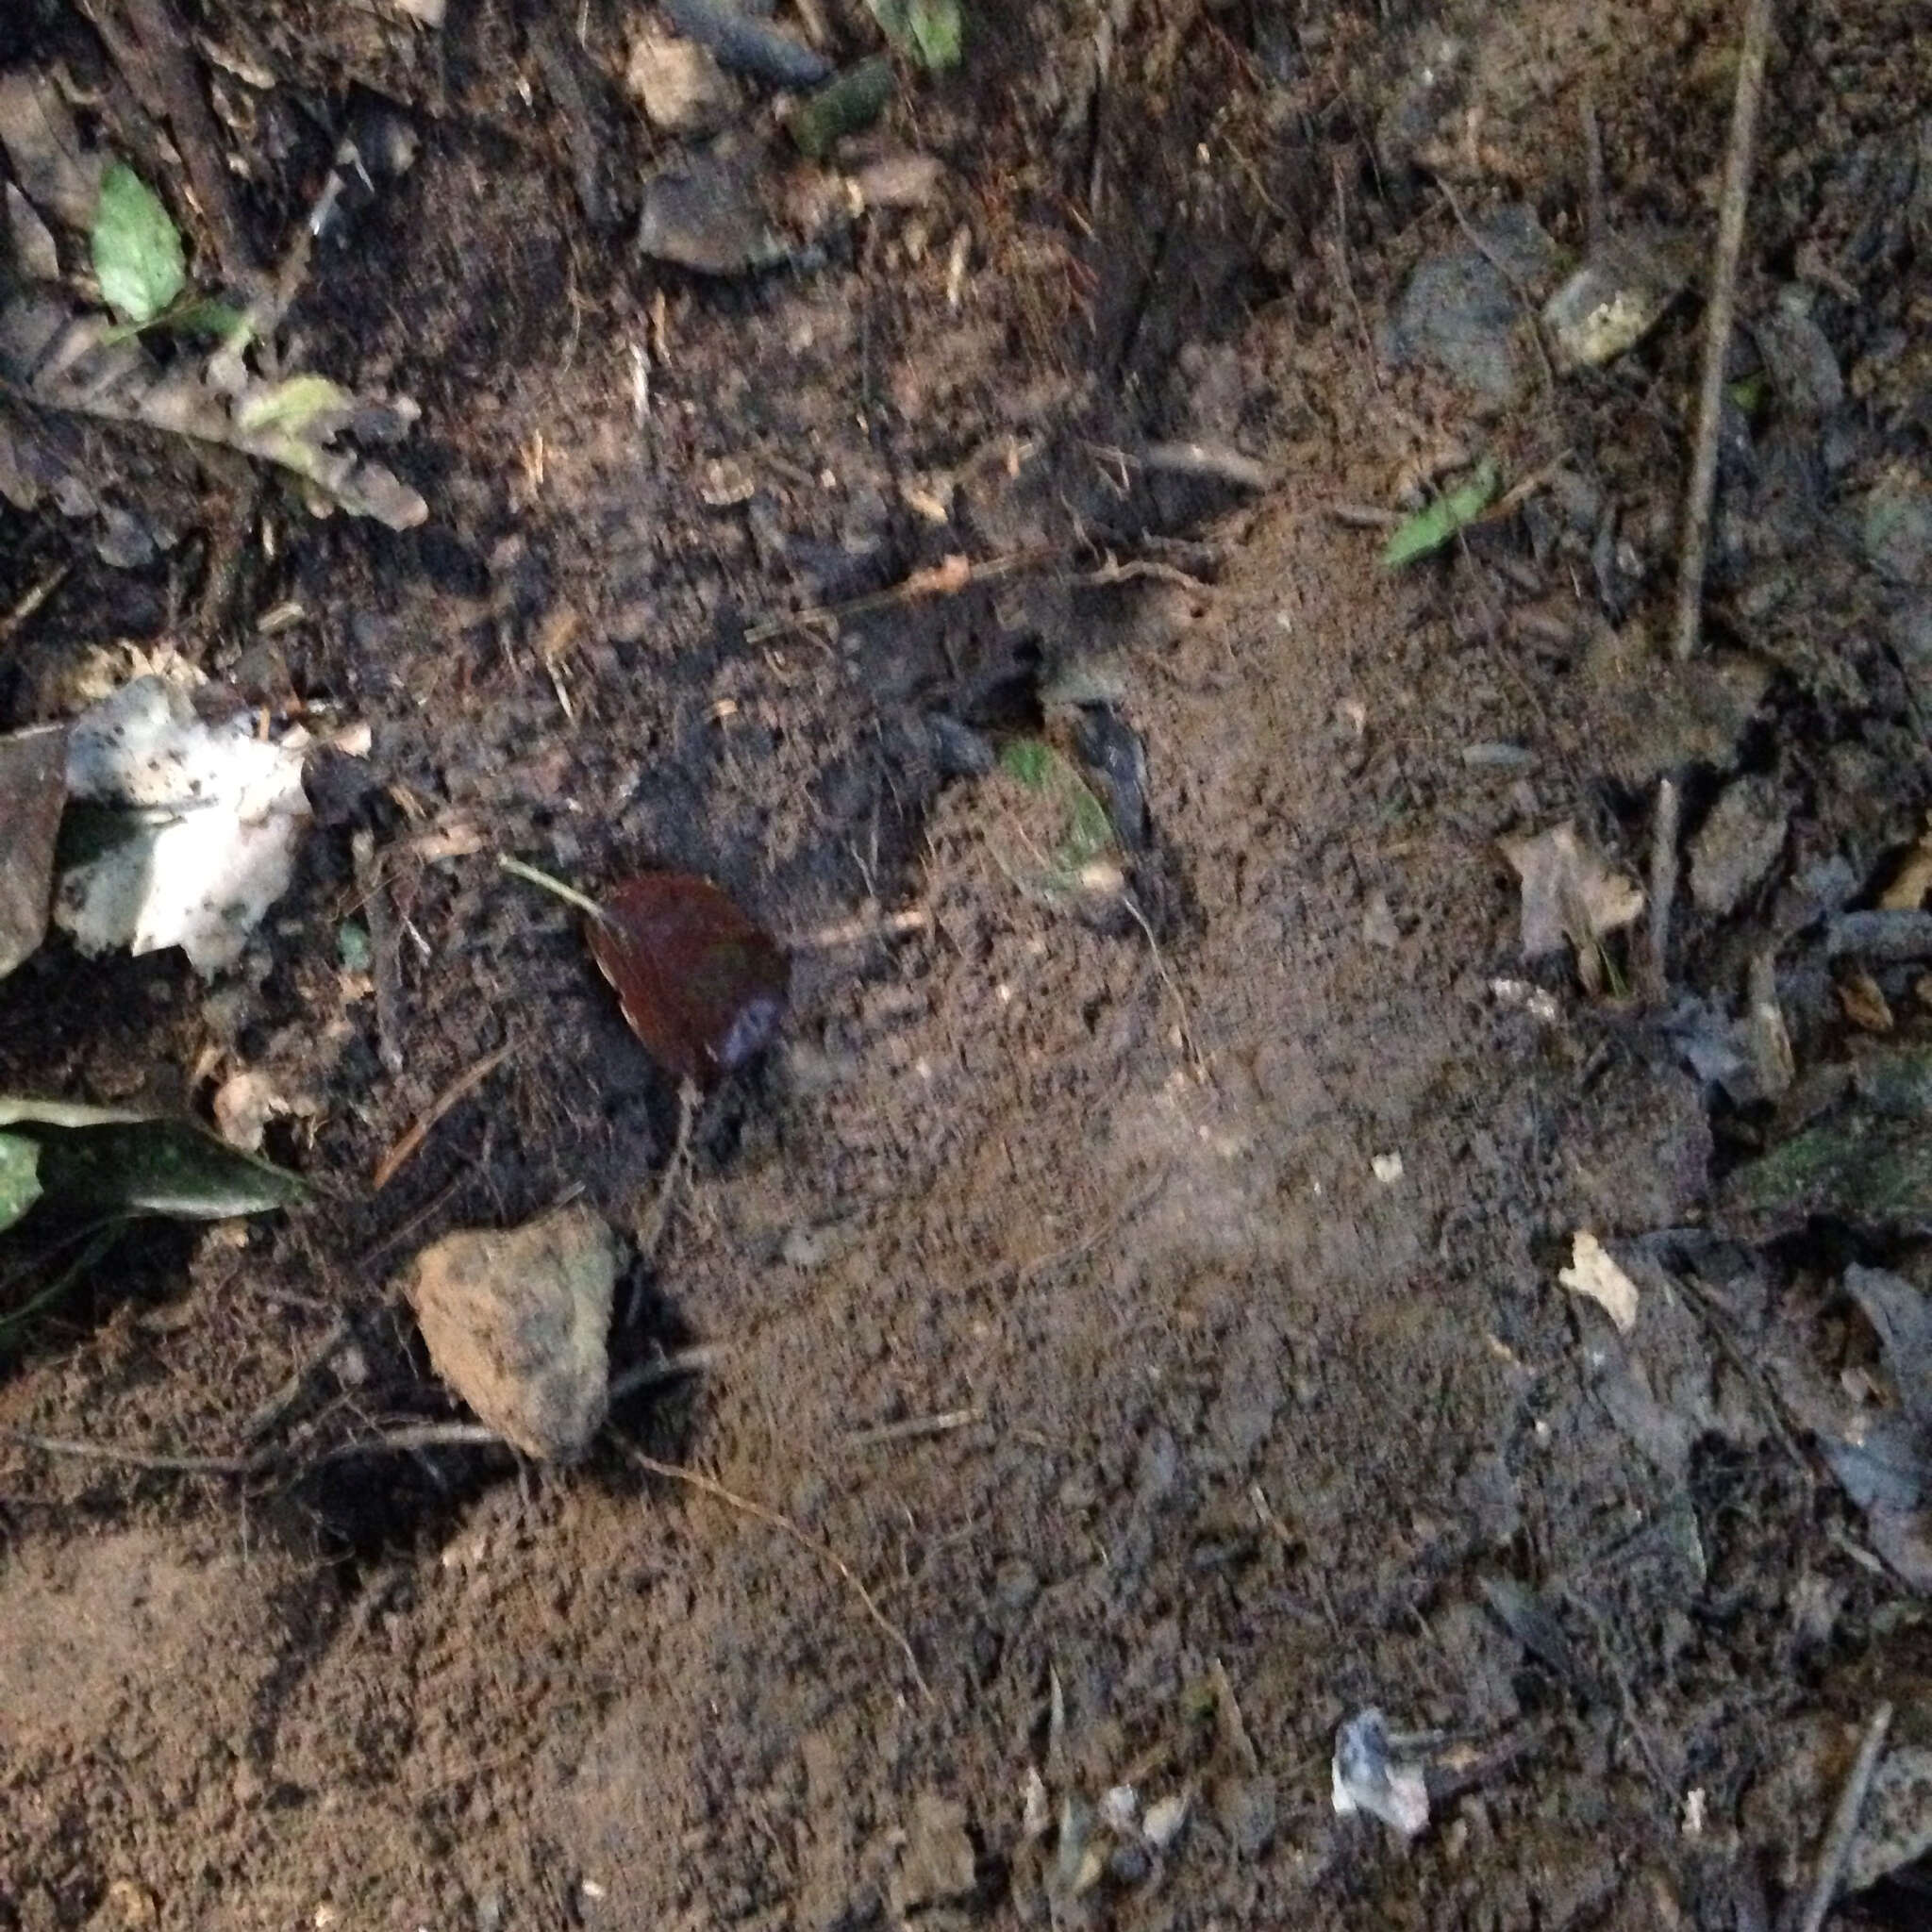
{"x":1907,"y":891}
{"x":946,"y":578}
{"x":1594,"y":1274}
{"x":1569,"y":892}
{"x":1864,"y":1003}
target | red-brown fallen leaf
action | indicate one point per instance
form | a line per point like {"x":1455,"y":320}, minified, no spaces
{"x":699,"y":982}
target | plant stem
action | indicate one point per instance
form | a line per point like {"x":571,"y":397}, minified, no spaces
{"x":584,"y":903}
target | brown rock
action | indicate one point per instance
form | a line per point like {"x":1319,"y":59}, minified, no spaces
{"x":516,"y":1323}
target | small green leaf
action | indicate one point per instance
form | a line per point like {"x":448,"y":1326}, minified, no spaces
{"x":291,"y":407}
{"x":928,"y":31}
{"x":1085,"y":832}
{"x":1429,"y":529}
{"x":98,"y":1160}
{"x":20,"y":1185}
{"x":136,"y":247}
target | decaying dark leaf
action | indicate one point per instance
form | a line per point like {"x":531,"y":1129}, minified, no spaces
{"x":700,"y":982}
{"x":94,"y":1161}
{"x":33,"y":791}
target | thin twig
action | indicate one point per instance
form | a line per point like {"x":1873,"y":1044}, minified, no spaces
{"x":668,"y":1368}
{"x":137,"y":1459}
{"x":1663,"y":884}
{"x":1717,"y":323}
{"x":394,"y":1161}
{"x":385,"y":961}
{"x":914,"y":1428}
{"x":1347,"y":279}
{"x":1363,"y":516}
{"x":1844,"y":1822}
{"x":36,"y":595}
{"x":270,"y":1412}
{"x":1509,"y":276}
{"x":675,"y":1171}
{"x":570,"y":895}
{"x":709,"y":1485}
{"x":947,"y":580}
{"x":415,"y":1436}
{"x":1596,"y":221}
{"x":862,"y":930}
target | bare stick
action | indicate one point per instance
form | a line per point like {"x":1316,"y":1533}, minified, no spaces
{"x":914,"y":1428}
{"x":1596,"y":223}
{"x":1663,"y":883}
{"x":36,"y":595}
{"x":415,"y":1436}
{"x":394,"y":1161}
{"x":385,"y":965}
{"x":137,"y":1459}
{"x":946,"y":579}
{"x":1844,"y":1822}
{"x":709,"y":1485}
{"x":1716,"y":321}
{"x":667,"y":1368}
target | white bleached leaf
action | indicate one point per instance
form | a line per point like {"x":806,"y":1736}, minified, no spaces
{"x":203,"y":836}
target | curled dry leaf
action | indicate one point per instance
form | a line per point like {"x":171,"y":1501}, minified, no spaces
{"x":700,"y":982}
{"x":1569,"y":892}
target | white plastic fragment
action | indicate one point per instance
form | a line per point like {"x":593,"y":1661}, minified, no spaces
{"x":1366,"y":1778}
{"x":1595,"y":1276}
{"x":1387,"y":1168}
{"x":1119,"y":1810}
{"x":209,"y":842}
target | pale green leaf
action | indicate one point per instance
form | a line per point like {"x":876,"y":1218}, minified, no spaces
{"x":20,"y":1185}
{"x":928,"y":31}
{"x":136,"y":247}
{"x":291,"y":407}
{"x":1429,"y":529}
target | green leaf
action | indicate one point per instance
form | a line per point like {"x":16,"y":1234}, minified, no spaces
{"x":291,"y":407}
{"x":1085,"y":833}
{"x":136,"y":247}
{"x":928,"y":31}
{"x":207,"y":317}
{"x":1429,"y":529}
{"x":20,"y":1186}
{"x":99,"y":1160}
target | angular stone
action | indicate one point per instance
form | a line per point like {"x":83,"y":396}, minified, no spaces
{"x":517,"y":1323}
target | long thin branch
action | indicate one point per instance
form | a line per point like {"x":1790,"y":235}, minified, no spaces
{"x":1716,"y":321}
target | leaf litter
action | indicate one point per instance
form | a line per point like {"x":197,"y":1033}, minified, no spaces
{"x":698,"y":980}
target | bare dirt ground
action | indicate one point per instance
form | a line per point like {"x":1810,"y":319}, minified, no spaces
{"x":1157,"y":1319}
